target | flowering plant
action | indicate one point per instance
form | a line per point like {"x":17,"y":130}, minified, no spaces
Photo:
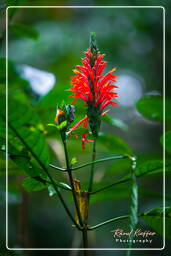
{"x":98,"y":92}
{"x":28,"y":148}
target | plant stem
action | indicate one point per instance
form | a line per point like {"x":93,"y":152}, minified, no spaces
{"x":108,"y":221}
{"x":92,"y":167}
{"x":71,"y":182}
{"x":133,"y":203}
{"x":58,"y":168}
{"x":90,"y":163}
{"x":99,"y":161}
{"x":110,"y":185}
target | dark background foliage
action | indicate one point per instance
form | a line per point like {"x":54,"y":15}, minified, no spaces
{"x":44,"y":47}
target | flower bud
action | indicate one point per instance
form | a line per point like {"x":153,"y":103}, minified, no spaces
{"x":60,"y":116}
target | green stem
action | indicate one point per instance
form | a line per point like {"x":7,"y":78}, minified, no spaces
{"x":108,"y":221}
{"x":134,"y":202}
{"x":92,"y":167}
{"x":99,"y":161}
{"x":48,"y":174}
{"x":58,"y":168}
{"x":109,"y":186}
{"x":71,"y":181}
{"x":90,"y":163}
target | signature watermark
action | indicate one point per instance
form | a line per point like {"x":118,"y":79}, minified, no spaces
{"x":133,"y":236}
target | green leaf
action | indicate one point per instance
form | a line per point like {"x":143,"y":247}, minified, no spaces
{"x":53,"y":125}
{"x":22,"y":159}
{"x":167,"y":141}
{"x":25,"y":125}
{"x":31,"y":184}
{"x":62,"y":125}
{"x":115,"y":122}
{"x":151,"y":167}
{"x":24,"y":30}
{"x":151,"y":107}
{"x":154,"y":218}
{"x":114,"y":144}
{"x":73,"y":161}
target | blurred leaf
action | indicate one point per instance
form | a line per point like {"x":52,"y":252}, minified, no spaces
{"x":114,"y":144}
{"x":22,"y":159}
{"x":115,"y":122}
{"x":167,"y":141}
{"x":30,"y":184}
{"x":24,"y":30}
{"x":24,"y":124}
{"x":16,"y":84}
{"x":153,"y":166}
{"x":114,"y":193}
{"x":154,"y":218}
{"x":151,"y":107}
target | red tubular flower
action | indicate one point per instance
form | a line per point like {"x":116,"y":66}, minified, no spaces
{"x":85,"y":140}
{"x":89,"y":85}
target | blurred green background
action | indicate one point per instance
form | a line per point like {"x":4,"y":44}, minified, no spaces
{"x":43,"y":52}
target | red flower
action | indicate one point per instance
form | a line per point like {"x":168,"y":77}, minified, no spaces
{"x":84,"y":121}
{"x":90,"y":85}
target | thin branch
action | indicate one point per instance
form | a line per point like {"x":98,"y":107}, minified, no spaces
{"x":110,"y":185}
{"x":99,"y":161}
{"x":58,"y":168}
{"x":108,"y":221}
{"x":90,"y":163}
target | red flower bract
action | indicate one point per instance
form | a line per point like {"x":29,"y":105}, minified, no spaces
{"x":90,"y":85}
{"x":95,"y":89}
